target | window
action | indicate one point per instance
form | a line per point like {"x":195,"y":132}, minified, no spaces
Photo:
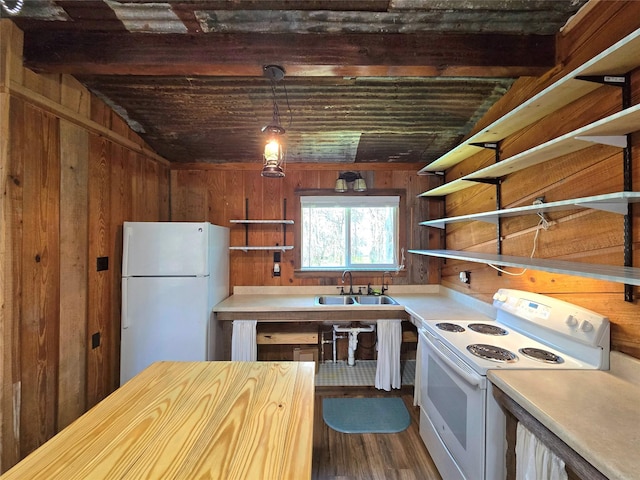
{"x":354,"y":232}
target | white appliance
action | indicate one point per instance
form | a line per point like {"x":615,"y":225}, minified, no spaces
{"x":461,"y":423}
{"x":173,"y":273}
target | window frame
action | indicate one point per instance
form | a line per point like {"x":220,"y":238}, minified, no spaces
{"x":402,"y":230}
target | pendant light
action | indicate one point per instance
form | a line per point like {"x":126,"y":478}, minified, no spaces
{"x":273,"y":155}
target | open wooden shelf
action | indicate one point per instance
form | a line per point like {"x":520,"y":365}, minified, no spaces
{"x":247,"y":221}
{"x":610,"y":202}
{"x":620,"y":58}
{"x":611,"y":130}
{"x":626,"y":275}
{"x":609,"y":67}
{"x":274,"y":248}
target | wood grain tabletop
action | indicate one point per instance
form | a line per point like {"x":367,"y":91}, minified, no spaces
{"x":183,"y":420}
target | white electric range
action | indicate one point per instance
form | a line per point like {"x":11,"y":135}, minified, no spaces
{"x":461,"y":423}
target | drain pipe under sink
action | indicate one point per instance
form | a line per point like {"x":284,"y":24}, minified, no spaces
{"x":353,"y":339}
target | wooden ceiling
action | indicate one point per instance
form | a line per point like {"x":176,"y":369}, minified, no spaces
{"x":366,"y":80}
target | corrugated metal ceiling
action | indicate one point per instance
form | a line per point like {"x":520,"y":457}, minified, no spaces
{"x":367,"y":81}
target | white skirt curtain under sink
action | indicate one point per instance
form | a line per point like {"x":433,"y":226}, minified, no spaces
{"x":388,"y":374}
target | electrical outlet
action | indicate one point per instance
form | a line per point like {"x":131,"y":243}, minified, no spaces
{"x":276,"y":264}
{"x":102,"y":263}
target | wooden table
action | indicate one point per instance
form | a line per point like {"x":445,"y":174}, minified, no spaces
{"x":188,"y":420}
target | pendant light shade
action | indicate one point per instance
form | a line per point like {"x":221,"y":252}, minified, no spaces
{"x":273,"y":155}
{"x":341,"y":185}
{"x":359,"y":185}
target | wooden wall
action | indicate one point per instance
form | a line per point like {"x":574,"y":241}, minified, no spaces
{"x":219,"y":193}
{"x":72,"y":172}
{"x":580,"y":235}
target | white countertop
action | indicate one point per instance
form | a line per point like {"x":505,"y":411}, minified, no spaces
{"x":596,"y":413}
{"x":423,"y":302}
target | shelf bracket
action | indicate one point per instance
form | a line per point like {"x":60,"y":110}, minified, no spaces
{"x":490,"y":181}
{"x":495,"y":146}
{"x":624,"y":82}
{"x":613,"y":80}
{"x":627,"y":159}
{"x":284,"y":225}
{"x":628,"y":218}
{"x":246,"y":225}
{"x":488,"y":145}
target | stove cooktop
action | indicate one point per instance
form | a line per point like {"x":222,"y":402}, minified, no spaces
{"x":531,"y":331}
{"x":522,"y":351}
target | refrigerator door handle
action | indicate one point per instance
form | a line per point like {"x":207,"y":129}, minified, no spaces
{"x":125,"y":250}
{"x":125,"y":313}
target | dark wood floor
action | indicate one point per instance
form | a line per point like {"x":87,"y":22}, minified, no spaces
{"x":341,"y":456}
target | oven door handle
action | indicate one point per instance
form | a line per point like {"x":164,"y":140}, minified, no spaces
{"x":457,"y":368}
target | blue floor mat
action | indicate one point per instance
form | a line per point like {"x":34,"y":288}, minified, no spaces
{"x":366,"y":415}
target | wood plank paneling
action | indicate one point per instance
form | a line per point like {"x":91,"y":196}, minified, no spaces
{"x":99,"y":374}
{"x":119,"y":207}
{"x":12,"y":276}
{"x":39,"y":328}
{"x":74,"y":155}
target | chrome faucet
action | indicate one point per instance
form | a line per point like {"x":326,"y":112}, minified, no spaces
{"x":385,"y":288}
{"x":350,"y":281}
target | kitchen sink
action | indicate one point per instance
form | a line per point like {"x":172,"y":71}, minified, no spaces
{"x":335,"y":300}
{"x":375,"y":300}
{"x":355,"y":300}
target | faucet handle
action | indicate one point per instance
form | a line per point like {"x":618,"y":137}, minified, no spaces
{"x":341,"y":290}
{"x":360,"y":290}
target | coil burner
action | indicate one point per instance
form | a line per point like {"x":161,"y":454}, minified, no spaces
{"x":493,"y":353}
{"x":450,"y":327}
{"x":541,"y":355}
{"x":487,"y":329}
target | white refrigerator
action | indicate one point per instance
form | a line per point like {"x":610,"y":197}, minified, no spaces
{"x":173,"y":273}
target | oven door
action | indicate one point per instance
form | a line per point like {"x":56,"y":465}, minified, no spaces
{"x":453,"y":399}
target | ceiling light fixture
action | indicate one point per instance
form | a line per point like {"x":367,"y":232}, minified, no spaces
{"x":345,"y":178}
{"x":15,"y":10}
{"x":273,"y":156}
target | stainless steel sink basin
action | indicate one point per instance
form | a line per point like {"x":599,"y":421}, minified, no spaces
{"x":335,"y":300}
{"x":355,"y":300}
{"x":375,"y":300}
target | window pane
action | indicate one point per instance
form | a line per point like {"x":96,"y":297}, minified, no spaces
{"x":323,"y":234}
{"x":349,"y":232}
{"x":372,"y":236}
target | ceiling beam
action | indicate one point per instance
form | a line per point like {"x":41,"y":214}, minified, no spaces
{"x":420,"y":54}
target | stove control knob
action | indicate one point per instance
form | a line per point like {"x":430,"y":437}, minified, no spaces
{"x":586,"y":326}
{"x":500,"y":297}
{"x":571,"y":320}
